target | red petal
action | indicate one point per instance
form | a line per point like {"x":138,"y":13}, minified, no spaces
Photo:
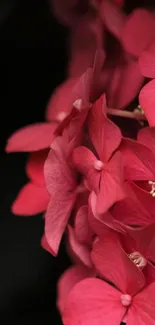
{"x":68,"y":280}
{"x":45,"y":245}
{"x":111,"y":185}
{"x":147,"y":137}
{"x":35,"y":167}
{"x":61,"y":102}
{"x":138,"y":32}
{"x":100,"y":225}
{"x":59,"y":175}
{"x":80,"y":252}
{"x":31,"y":200}
{"x":56,"y":218}
{"x":105,"y":135}
{"x":82,"y":229}
{"x":131,"y":210}
{"x":126,"y":81}
{"x":147,"y":101}
{"x":147,"y":61}
{"x":139,"y":161}
{"x":93,"y":301}
{"x":106,"y":254}
{"x":32,"y":138}
{"x":113,"y":18}
{"x":142,"y":310}
{"x":84,"y":160}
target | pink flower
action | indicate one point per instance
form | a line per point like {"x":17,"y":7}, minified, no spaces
{"x":100,"y":302}
{"x":103,"y":173}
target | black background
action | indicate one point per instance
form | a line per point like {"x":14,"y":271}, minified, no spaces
{"x":33,"y":57}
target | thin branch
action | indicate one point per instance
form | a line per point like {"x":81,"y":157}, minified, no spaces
{"x":126,"y":114}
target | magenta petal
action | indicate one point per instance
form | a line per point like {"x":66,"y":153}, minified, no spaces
{"x":113,"y":18}
{"x":59,"y":175}
{"x":84,"y":160}
{"x":82,"y":229}
{"x":93,"y":301}
{"x":111,"y":185}
{"x":138,"y":32}
{"x":56,"y":218}
{"x":106,"y":254}
{"x":139,"y":161}
{"x":141,"y":312}
{"x":61,"y":102}
{"x":147,"y":61}
{"x":147,"y":101}
{"x":147,"y":136}
{"x":35,"y":166}
{"x":32,"y":138}
{"x":68,"y":280}
{"x":80,"y":252}
{"x":31,"y":200}
{"x":105,"y":135}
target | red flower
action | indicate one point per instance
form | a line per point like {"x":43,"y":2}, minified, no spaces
{"x":104,"y":172}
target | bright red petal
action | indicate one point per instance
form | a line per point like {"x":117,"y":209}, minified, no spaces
{"x":106,"y":254}
{"x":147,"y":101}
{"x":105,"y":135}
{"x":139,"y":161}
{"x":93,"y":301}
{"x":61,"y":102}
{"x":147,"y":137}
{"x":138,"y":32}
{"x":31,"y":200}
{"x":45,"y":245}
{"x":68,"y":280}
{"x":35,"y":167}
{"x":142,"y":310}
{"x":82,"y":229}
{"x":111,"y":185}
{"x":32,"y":138}
{"x":80,"y":252}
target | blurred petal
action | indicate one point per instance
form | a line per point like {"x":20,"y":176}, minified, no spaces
{"x":35,"y":167}
{"x":138,"y":32}
{"x":32,"y":138}
{"x":31,"y":200}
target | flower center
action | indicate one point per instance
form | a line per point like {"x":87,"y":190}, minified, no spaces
{"x":98,"y":165}
{"x":61,"y":116}
{"x":152,"y":192}
{"x":78,"y":104}
{"x":126,"y":300}
{"x":139,"y":260}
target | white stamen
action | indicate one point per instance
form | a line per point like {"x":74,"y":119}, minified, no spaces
{"x":126,"y":300}
{"x":61,"y":116}
{"x":152,"y":192}
{"x":98,"y":165}
{"x":139,"y":260}
{"x":78,"y":104}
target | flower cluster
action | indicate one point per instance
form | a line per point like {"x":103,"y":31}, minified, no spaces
{"x":96,"y":184}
